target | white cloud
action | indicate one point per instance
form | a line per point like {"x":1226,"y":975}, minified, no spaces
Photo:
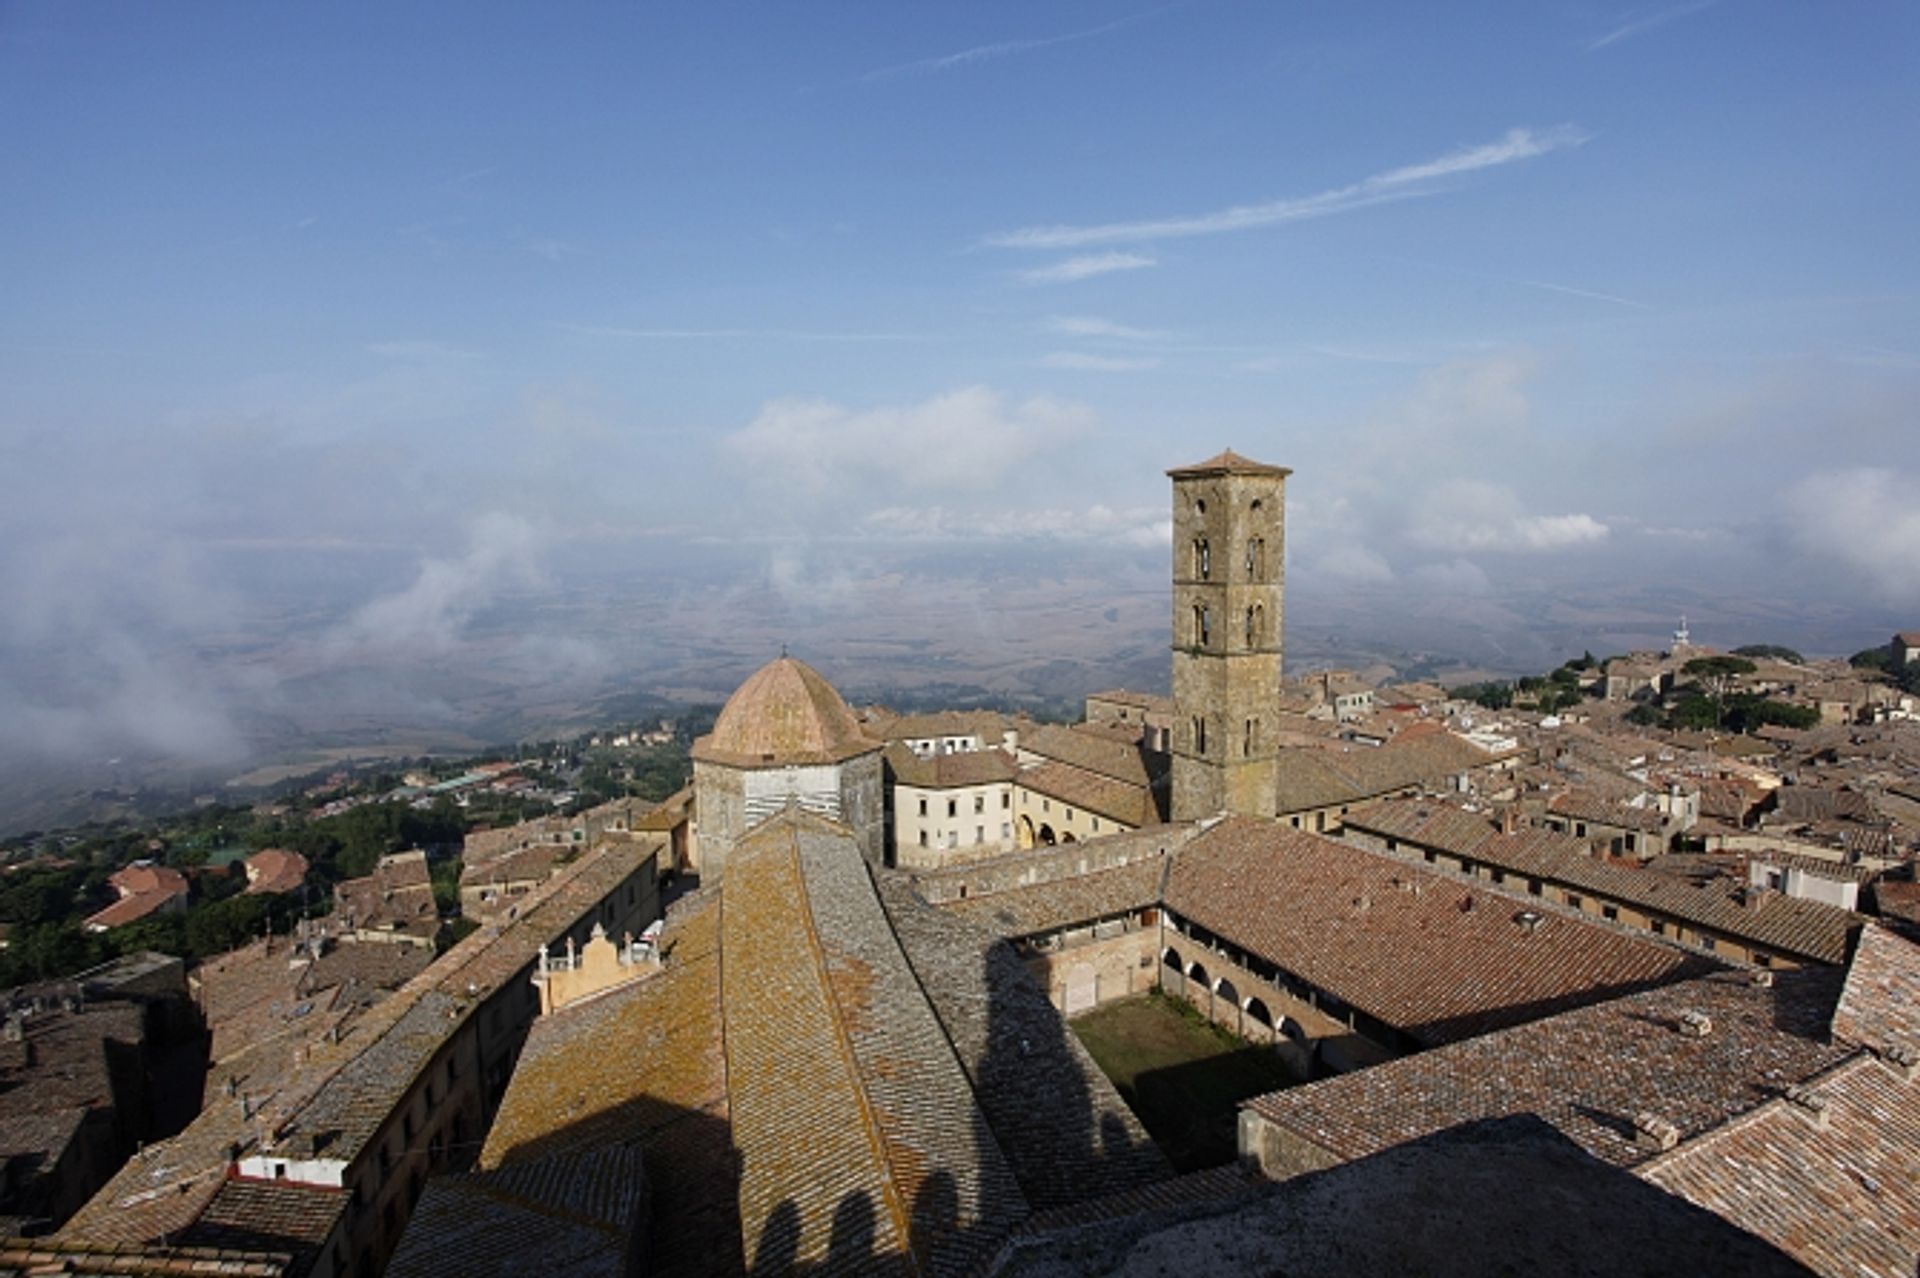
{"x":966,"y":439}
{"x":1352,"y":562}
{"x":1867,"y":520}
{"x":1080,"y":361}
{"x":1402,"y":183}
{"x":1137,"y":526}
{"x":429,"y":615}
{"x":1086,"y":267}
{"x":1090,"y":326}
{"x":1475,"y":515}
{"x":1456,"y":577}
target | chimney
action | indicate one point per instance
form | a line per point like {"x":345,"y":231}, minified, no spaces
{"x":1654,"y":1133}
{"x":1510,"y":821}
{"x":1762,"y":979}
{"x":1902,"y":1060}
{"x":1810,"y":1104}
{"x":1695,"y":1024}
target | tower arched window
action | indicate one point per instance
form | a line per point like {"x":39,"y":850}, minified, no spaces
{"x":1256,"y":558}
{"x":1199,"y":735}
{"x":1202,"y":625}
{"x":1253,"y":624}
{"x":1202,"y":559}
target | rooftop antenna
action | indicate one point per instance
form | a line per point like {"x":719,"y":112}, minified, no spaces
{"x":783,"y":651}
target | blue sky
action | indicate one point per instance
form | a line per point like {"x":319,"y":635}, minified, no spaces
{"x":1528,"y":289}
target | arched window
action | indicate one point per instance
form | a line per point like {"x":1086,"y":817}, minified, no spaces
{"x":1199,"y":735}
{"x":1246,"y":748}
{"x":1253,"y":625}
{"x":1202,"y":559}
{"x":1256,"y":556}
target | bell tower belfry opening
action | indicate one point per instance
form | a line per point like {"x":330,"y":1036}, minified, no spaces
{"x":1229,"y":582}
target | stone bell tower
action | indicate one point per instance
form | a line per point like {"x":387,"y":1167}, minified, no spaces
{"x":1229,"y":580}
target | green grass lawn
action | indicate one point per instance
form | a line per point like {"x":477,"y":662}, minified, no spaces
{"x":1183,"y":1077}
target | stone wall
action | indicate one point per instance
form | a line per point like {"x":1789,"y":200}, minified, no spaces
{"x":1094,"y":965}
{"x":1279,"y":1152}
{"x":1049,"y":865}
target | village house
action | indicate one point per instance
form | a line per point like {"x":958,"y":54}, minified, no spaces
{"x":145,"y":888}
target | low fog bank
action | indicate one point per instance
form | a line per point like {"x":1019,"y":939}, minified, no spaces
{"x":204,"y":668}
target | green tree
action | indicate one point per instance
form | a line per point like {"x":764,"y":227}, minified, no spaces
{"x":1871,"y":659}
{"x":1770,"y":652}
{"x":1714,"y":678}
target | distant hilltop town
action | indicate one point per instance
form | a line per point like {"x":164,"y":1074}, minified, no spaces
{"x":1616,"y":970}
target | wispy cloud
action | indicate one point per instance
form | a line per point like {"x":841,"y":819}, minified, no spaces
{"x":1080,"y":361}
{"x":736,"y":334}
{"x":1586,"y":292}
{"x":554,"y":250}
{"x":1086,"y":267}
{"x":1000,"y":49}
{"x":1634,"y":26}
{"x":1089,"y":326}
{"x":1407,"y":182}
{"x":418,"y":351}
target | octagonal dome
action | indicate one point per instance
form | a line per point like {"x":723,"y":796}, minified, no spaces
{"x":785,"y":713}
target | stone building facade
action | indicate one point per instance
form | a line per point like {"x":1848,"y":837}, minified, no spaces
{"x":1228,"y":585}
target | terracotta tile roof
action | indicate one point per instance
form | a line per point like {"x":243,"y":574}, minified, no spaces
{"x":1046,"y":907}
{"x":37,"y":1256}
{"x":271,"y":871}
{"x":1836,"y":1192}
{"x":1064,"y":1129}
{"x":921,"y":1100}
{"x":1898,"y":901}
{"x":810,"y":1136}
{"x":1581,"y":805}
{"x":1436,"y":956}
{"x":572,"y":1214}
{"x":785,"y":713}
{"x":1091,"y":752}
{"x":1131,"y":805}
{"x":269,"y":1216}
{"x":1810,"y":803}
{"x":1589,"y":1072}
{"x":333,"y":1097}
{"x":948,"y":771}
{"x":1228,"y":463}
{"x":520,"y":865}
{"x":1310,"y":778}
{"x":988,"y":725}
{"x":616,"y":1068}
{"x":641,"y":1066}
{"x":1151,"y":702}
{"x":397,"y":896}
{"x":1880,"y":1006}
{"x":1806,"y":929}
{"x":146,"y":876}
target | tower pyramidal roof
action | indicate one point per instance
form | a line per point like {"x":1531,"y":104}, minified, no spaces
{"x":1228,"y":463}
{"x":785,"y":713}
